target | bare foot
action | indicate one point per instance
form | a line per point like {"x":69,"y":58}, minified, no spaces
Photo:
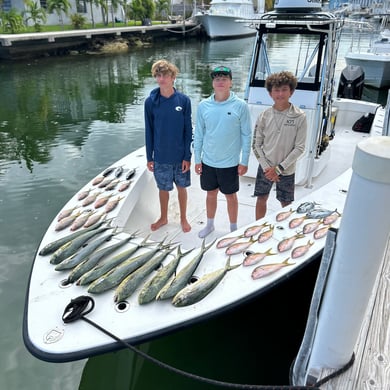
{"x":158,"y":224}
{"x":185,"y":226}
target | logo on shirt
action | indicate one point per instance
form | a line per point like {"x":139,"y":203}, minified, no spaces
{"x":178,"y":108}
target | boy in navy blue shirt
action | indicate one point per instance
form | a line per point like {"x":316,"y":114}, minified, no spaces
{"x":168,"y":136}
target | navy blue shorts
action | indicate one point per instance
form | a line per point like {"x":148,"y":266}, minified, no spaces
{"x":167,"y":174}
{"x":284,"y":188}
{"x":224,"y":179}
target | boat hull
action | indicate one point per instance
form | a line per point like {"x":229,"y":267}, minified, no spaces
{"x":220,"y":27}
{"x":376,"y":67}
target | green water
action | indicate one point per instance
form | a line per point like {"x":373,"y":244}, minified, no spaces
{"x":63,"y":120}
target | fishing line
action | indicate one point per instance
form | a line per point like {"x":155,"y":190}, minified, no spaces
{"x":82,"y":305}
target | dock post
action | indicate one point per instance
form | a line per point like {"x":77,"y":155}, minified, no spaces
{"x":359,"y":252}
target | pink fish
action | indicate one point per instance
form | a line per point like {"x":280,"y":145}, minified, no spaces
{"x":311,"y":226}
{"x":105,"y":182}
{"x":124,"y":186}
{"x":321,"y":232}
{"x":90,"y":199}
{"x":102,"y":201}
{"x":112,"y":204}
{"x":252,"y":230}
{"x":65,"y":222}
{"x":288,"y":243}
{"x":224,"y":242}
{"x":65,"y":213}
{"x":254,"y":258}
{"x":239,"y":247}
{"x":331,"y":218}
{"x":301,"y":250}
{"x":112,"y":185}
{"x":283,"y":215}
{"x":268,"y":269}
{"x":295,"y":222}
{"x":97,"y":180}
{"x":93,"y":219}
{"x":266,"y":235}
{"x":80,"y":221}
{"x":83,"y":194}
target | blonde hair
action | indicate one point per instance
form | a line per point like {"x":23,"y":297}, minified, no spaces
{"x":164,"y":67}
{"x":279,"y":79}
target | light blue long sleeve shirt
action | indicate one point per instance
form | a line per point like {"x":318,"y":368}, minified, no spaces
{"x":223,"y":132}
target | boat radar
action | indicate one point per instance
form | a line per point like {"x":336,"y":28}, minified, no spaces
{"x":297,"y":5}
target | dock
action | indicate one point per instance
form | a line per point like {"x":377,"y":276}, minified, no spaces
{"x":17,"y":46}
{"x":371,"y":367}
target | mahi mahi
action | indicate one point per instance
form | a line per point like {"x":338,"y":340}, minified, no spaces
{"x":128,"y":285}
{"x":182,"y":278}
{"x":151,"y":288}
{"x":196,"y":291}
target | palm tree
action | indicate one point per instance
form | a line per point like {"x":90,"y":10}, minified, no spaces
{"x":59,"y":7}
{"x":161,"y":6}
{"x":35,"y":13}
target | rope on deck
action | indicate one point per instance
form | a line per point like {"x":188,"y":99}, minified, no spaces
{"x":82,"y":305}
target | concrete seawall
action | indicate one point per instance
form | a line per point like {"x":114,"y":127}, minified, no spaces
{"x":30,"y":45}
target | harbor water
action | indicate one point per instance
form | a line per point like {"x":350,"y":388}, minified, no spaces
{"x":62,"y":121}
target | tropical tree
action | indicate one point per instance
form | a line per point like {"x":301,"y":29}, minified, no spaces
{"x":12,"y":21}
{"x":141,"y":9}
{"x":91,"y":4}
{"x":34,"y":13}
{"x":161,"y":6}
{"x":59,"y":7}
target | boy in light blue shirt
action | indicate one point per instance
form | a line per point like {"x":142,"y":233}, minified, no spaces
{"x":222,"y":142}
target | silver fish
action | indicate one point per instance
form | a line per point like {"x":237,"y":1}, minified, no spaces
{"x":318,"y":213}
{"x":70,"y":247}
{"x":184,"y":275}
{"x":116,"y":275}
{"x":305,"y":207}
{"x":288,"y":243}
{"x":94,"y":258}
{"x":311,"y":226}
{"x":283,"y":215}
{"x":239,"y":247}
{"x":118,"y":171}
{"x":128,"y":285}
{"x":268,"y":269}
{"x":130,"y":174}
{"x":82,"y":253}
{"x":54,"y":245}
{"x":264,"y":236}
{"x":225,"y":242}
{"x":301,"y":250}
{"x":108,"y":171}
{"x":110,"y":263}
{"x":151,"y":288}
{"x":67,"y":221}
{"x":196,"y":291}
{"x":254,"y":258}
{"x":253,"y":230}
{"x":321,"y":232}
{"x":331,"y":218}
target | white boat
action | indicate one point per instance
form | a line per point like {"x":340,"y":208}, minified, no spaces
{"x":221,"y":20}
{"x":375,"y":61}
{"x":324,"y":174}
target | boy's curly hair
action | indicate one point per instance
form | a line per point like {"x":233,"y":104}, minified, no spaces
{"x":279,"y":79}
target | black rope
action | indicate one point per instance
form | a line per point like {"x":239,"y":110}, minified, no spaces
{"x":336,"y":373}
{"x":75,"y":310}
